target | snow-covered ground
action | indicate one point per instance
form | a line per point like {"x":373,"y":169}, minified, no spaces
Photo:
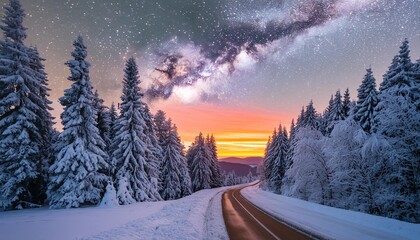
{"x":198,"y":216}
{"x":329,"y":222}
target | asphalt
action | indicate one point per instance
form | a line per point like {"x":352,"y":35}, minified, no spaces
{"x":245,"y":221}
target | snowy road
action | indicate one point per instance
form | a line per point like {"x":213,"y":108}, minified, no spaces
{"x":244,"y":221}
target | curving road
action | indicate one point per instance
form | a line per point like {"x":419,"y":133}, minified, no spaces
{"x":244,"y":221}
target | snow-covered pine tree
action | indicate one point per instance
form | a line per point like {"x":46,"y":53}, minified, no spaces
{"x":268,"y":163}
{"x":21,"y":110}
{"x":113,"y":116}
{"x":175,"y":178}
{"x":327,"y":117}
{"x":263,"y":173}
{"x":389,"y":74}
{"x":77,"y":175}
{"x":185,"y":178}
{"x":199,"y":159}
{"x":397,"y":119}
{"x":45,"y":123}
{"x":162,"y":127}
{"x":110,"y":197}
{"x":282,"y":164}
{"x":249,"y":177}
{"x":288,"y":180}
{"x":132,"y":180}
{"x":310,"y":117}
{"x":171,"y":184}
{"x":367,"y":100}
{"x":346,"y":103}
{"x":291,"y":144}
{"x":229,"y":179}
{"x":103,"y":117}
{"x":280,"y":150}
{"x":301,"y":118}
{"x":216,"y":179}
{"x":153,"y":150}
{"x":337,"y":113}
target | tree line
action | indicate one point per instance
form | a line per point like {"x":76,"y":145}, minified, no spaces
{"x":124,"y":152}
{"x":362,"y":155}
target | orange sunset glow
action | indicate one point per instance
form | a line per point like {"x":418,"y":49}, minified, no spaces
{"x":239,"y":132}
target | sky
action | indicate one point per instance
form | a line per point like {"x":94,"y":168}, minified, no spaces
{"x":233,"y":68}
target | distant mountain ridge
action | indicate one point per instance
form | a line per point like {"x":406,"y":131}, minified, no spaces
{"x":239,"y":168}
{"x":255,"y":161}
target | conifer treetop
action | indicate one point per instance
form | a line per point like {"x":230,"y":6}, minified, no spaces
{"x":13,"y":22}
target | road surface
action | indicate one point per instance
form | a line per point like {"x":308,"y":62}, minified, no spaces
{"x":244,"y":221}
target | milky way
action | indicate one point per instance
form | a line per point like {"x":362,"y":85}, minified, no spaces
{"x":261,"y":51}
{"x":237,"y":42}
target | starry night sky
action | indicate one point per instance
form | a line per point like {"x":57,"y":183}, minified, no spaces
{"x":231,"y":54}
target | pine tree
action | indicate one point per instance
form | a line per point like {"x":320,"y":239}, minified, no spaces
{"x":229,"y":179}
{"x":310,"y":117}
{"x":175,"y":177}
{"x":186,"y":188}
{"x":103,"y":118}
{"x":153,"y":150}
{"x":199,"y":163}
{"x":367,"y":101}
{"x":113,"y":116}
{"x":389,"y":74}
{"x":77,"y":175}
{"x":337,"y":113}
{"x":327,"y":117}
{"x":216,"y":179}
{"x":20,"y":107}
{"x":346,"y":103}
{"x":268,"y":163}
{"x":291,"y":144}
{"x":281,"y":151}
{"x":133,"y":180}
{"x":301,"y":118}
{"x":337,"y":110}
{"x":45,"y":120}
{"x":162,"y":127}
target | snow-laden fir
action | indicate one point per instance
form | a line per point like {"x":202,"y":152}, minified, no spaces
{"x":135,"y":164}
{"x":78,"y":173}
{"x":25,"y":123}
{"x":174,"y":176}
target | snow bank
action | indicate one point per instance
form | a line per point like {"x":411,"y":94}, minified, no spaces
{"x":180,"y":219}
{"x":329,"y":222}
{"x":215,"y":227}
{"x":74,"y":223}
{"x":198,"y":216}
